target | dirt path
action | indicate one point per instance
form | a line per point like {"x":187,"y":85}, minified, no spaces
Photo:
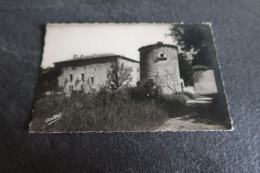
{"x":196,"y":112}
{"x":186,"y":123}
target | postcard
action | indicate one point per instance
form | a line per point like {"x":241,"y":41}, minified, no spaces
{"x":129,"y":77}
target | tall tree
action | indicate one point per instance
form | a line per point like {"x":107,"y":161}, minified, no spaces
{"x":118,"y":75}
{"x":47,"y":81}
{"x":195,"y":37}
{"x":185,"y":66}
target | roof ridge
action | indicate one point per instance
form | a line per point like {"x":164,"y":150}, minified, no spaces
{"x":95,"y":56}
{"x":158,"y":44}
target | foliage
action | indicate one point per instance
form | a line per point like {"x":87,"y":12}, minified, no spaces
{"x":185,"y":69}
{"x":197,"y":37}
{"x":125,"y":109}
{"x":47,"y":81}
{"x":119,"y":75}
{"x":103,"y":111}
{"x":145,"y":91}
{"x":148,"y":91}
{"x":173,"y":103}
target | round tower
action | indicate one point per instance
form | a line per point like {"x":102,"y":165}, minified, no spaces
{"x":159,"y":63}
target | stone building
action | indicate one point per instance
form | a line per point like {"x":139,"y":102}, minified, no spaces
{"x":159,"y":63}
{"x":89,"y":73}
{"x":204,"y":80}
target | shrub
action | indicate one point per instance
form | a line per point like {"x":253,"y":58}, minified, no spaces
{"x":173,"y":103}
{"x":102,"y":111}
{"x":45,"y":108}
{"x":145,"y":91}
{"x":126,"y":109}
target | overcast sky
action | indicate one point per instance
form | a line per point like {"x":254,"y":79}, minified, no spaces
{"x":62,"y":41}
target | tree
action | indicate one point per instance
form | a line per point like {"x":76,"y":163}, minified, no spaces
{"x":195,"y":38}
{"x":118,"y":75}
{"x":185,"y":66}
{"x":47,"y":81}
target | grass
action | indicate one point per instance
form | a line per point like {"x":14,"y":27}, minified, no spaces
{"x":102,"y":111}
{"x":129,"y":109}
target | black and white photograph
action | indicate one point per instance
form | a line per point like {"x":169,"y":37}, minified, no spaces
{"x":129,"y":77}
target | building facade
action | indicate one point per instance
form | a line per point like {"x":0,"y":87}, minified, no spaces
{"x":89,"y":73}
{"x":159,"y":63}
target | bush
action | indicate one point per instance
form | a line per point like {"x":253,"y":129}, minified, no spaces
{"x":102,"y":111}
{"x":173,"y":103}
{"x":145,"y":91}
{"x":45,"y":108}
{"x":127,"y":109}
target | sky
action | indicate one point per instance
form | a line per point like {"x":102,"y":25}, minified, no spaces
{"x":62,"y":41}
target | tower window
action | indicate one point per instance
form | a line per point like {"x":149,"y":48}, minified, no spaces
{"x":71,"y":77}
{"x":162,"y":56}
{"x":71,"y":87}
{"x":91,"y":80}
{"x":82,"y":76}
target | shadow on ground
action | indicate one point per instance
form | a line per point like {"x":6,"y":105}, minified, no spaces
{"x":211,"y":113}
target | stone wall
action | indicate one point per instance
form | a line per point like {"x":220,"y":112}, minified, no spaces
{"x":205,"y":82}
{"x":163,"y":70}
{"x":92,"y":76}
{"x":86,"y":77}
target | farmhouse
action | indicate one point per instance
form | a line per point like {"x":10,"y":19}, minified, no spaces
{"x":89,"y":73}
{"x":158,"y":63}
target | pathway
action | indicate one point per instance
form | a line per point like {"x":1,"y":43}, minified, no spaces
{"x":186,"y":123}
{"x":192,"y":121}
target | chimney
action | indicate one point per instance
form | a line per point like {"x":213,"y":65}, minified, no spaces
{"x":159,"y":43}
{"x":75,"y":56}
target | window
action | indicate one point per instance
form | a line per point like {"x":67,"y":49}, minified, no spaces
{"x":138,"y":70}
{"x":74,"y":68}
{"x":71,"y":77}
{"x":82,"y":76}
{"x":91,"y":80}
{"x":81,"y":87}
{"x":162,"y":56}
{"x":94,"y":69}
{"x":71,"y":87}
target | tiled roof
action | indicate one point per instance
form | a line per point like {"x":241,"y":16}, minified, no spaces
{"x":95,"y":56}
{"x":99,"y":55}
{"x":158,"y":44}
